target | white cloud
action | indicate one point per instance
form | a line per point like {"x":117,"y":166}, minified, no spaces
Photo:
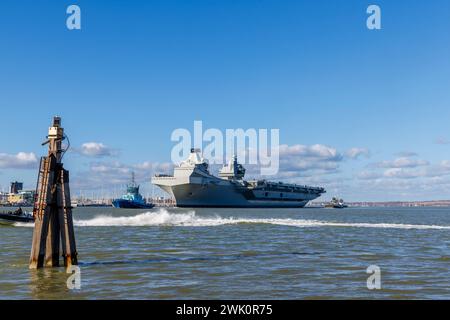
{"x":301,"y":161}
{"x":296,"y":161}
{"x":355,"y":153}
{"x":442,"y":140}
{"x":407,"y":154}
{"x":404,"y":187}
{"x":22,"y":160}
{"x":403,"y":173}
{"x":402,"y":162}
{"x":446,"y":164}
{"x":96,"y":149}
{"x":154,"y":166}
{"x":317,"y":151}
{"x":116,"y":173}
{"x":369,"y":175}
{"x":406,"y":170}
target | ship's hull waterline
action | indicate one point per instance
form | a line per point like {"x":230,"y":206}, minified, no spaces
{"x":126,"y":204}
{"x":200,"y":196}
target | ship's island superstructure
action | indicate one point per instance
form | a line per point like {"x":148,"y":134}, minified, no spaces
{"x":192,"y":185}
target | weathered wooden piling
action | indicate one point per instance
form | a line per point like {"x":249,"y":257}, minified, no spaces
{"x":52,"y":207}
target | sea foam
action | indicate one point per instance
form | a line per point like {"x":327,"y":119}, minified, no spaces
{"x":163,"y":217}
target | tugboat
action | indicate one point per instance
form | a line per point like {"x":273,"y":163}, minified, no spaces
{"x":336,"y":204}
{"x":16,"y":216}
{"x":132,"y":199}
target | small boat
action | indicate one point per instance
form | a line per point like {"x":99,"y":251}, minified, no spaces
{"x":17,"y":216}
{"x":132,"y":199}
{"x":336,"y":203}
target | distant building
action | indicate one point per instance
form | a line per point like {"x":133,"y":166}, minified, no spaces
{"x":16,"y":187}
{"x":22,"y":198}
{"x":3,"y":198}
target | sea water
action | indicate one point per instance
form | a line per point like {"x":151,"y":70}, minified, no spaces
{"x":240,"y":254}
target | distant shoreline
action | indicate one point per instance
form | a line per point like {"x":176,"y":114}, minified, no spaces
{"x":408,"y":204}
{"x":359,"y":204}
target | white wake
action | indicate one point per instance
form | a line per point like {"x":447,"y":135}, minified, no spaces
{"x":163,"y":217}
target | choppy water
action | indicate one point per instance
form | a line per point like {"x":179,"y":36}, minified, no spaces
{"x":241,"y":254}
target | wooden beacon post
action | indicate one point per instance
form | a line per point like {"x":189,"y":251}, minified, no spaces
{"x":52,"y":208}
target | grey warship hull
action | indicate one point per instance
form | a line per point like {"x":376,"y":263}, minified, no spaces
{"x":216,"y":196}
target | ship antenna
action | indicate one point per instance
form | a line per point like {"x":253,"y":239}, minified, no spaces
{"x":133,"y":181}
{"x":67,"y":147}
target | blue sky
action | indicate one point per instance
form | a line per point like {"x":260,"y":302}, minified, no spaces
{"x":140,"y":69}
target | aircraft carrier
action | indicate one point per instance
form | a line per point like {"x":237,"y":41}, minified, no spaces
{"x":192,"y":185}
